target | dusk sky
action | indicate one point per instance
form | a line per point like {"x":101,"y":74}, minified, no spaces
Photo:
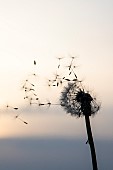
{"x":43,"y":31}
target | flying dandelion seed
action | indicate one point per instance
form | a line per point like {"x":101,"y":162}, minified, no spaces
{"x":22,"y":121}
{"x":15,"y":108}
{"x":59,"y":59}
{"x":17,"y":115}
{"x":34,"y":62}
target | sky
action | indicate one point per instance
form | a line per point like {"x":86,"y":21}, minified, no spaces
{"x":43,"y":31}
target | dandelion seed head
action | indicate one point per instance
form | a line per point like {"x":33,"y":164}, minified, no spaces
{"x":76,"y":101}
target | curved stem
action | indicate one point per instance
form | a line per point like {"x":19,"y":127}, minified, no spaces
{"x":91,"y":142}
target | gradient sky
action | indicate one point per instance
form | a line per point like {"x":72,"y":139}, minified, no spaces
{"x":44,"y":30}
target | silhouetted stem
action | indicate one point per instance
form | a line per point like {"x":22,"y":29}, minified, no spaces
{"x":91,"y":142}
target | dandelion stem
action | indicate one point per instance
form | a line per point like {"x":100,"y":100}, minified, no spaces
{"x":91,"y":142}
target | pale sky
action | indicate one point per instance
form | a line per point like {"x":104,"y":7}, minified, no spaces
{"x":44,"y":30}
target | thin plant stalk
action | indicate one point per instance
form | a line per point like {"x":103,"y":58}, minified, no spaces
{"x":91,"y":142}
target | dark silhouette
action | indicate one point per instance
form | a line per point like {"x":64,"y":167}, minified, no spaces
{"x":79,"y":103}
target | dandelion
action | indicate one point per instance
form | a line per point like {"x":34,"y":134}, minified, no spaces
{"x":78,"y":102}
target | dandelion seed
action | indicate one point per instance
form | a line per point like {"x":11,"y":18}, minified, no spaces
{"x":25,"y":122}
{"x":34,"y":62}
{"x":16,"y":108}
{"x":41,"y":104}
{"x":59,"y":58}
{"x":22,"y":120}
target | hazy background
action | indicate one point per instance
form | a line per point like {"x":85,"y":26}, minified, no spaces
{"x":45,"y":30}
